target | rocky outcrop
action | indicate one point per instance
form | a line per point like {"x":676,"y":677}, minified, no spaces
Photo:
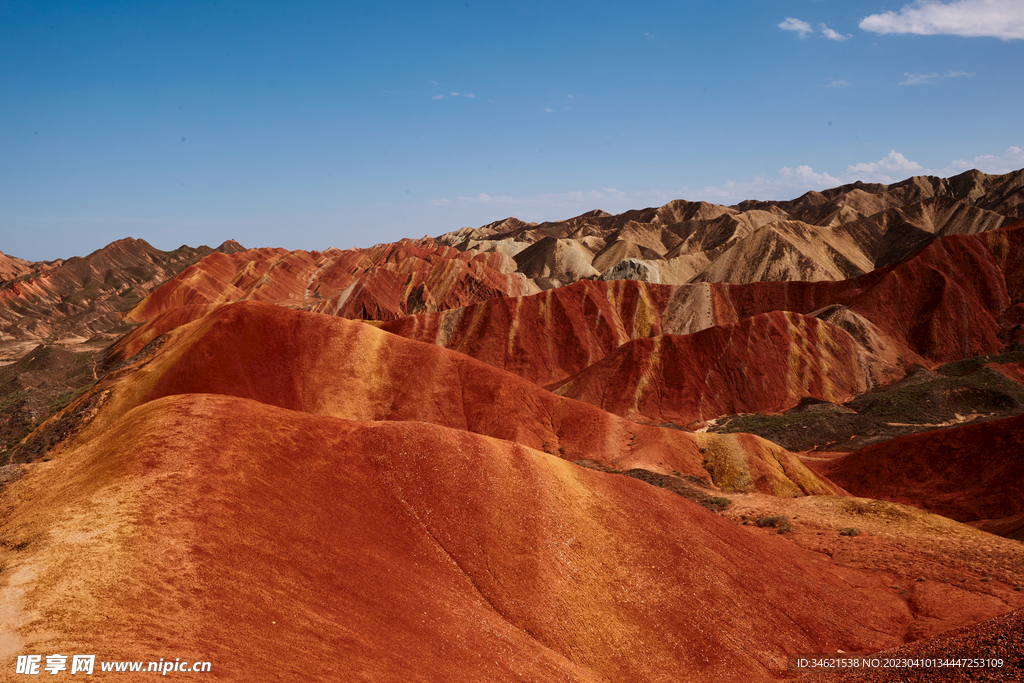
{"x":763,"y":364}
{"x":87,"y":296}
{"x":831,"y":235}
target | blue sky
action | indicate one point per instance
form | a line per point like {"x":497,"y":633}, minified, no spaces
{"x":316,"y":124}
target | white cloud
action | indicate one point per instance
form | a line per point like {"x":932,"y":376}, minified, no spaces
{"x":838,"y":83}
{"x":454,"y":94}
{"x":833,"y":35}
{"x":470,"y":95}
{"x":1002,"y":19}
{"x":547,"y":110}
{"x":805,"y":175}
{"x":438,"y":97}
{"x":577,"y":200}
{"x":801,"y":27}
{"x":1010,"y":160}
{"x":786,"y":183}
{"x":918,"y":79}
{"x":891,"y":168}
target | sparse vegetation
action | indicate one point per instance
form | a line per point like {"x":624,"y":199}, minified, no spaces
{"x":772,"y":521}
{"x":63,"y":399}
{"x":798,"y":430}
{"x":13,"y":397}
{"x":717,"y":503}
{"x":849,"y":531}
{"x":784,"y":528}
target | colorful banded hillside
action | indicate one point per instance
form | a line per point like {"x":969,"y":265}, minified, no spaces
{"x":675,"y":444}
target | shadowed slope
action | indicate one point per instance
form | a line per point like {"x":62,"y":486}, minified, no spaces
{"x":837,"y":233}
{"x":766,"y":363}
{"x":968,"y":473}
{"x":548,"y":336}
{"x":789,"y":250}
{"x":945,"y":303}
{"x":274,"y":542}
{"x":330,"y":366}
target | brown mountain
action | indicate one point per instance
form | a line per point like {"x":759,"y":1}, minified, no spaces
{"x":81,"y":297}
{"x":830,"y":235}
{"x":511,"y":452}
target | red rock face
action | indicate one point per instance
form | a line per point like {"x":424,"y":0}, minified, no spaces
{"x":968,"y":473}
{"x":765,"y":363}
{"x":548,"y":336}
{"x":942,"y":304}
{"x":12,"y":267}
{"x":380,"y":283}
{"x":942,"y":301}
{"x":84,"y":296}
{"x":329,"y":366}
{"x":289,"y":492}
{"x":275,"y":542}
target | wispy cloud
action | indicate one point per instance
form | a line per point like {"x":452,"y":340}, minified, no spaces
{"x":454,"y":94}
{"x":557,"y":199}
{"x":892,"y":167}
{"x":918,"y":79}
{"x":470,"y":95}
{"x":833,"y":35}
{"x":1010,"y":160}
{"x":438,"y":97}
{"x":801,"y":27}
{"x":786,"y":183}
{"x":838,"y":83}
{"x":1003,"y":19}
{"x":548,"y":110}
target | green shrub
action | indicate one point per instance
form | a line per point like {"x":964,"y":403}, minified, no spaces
{"x":771,"y":521}
{"x":718,"y":503}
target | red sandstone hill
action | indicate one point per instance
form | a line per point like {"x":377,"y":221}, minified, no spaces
{"x":969,"y":473}
{"x":380,"y":283}
{"x":330,"y":366}
{"x":273,"y":542}
{"x":84,"y":296}
{"x":953,"y":299}
{"x":763,"y":364}
{"x":284,"y":490}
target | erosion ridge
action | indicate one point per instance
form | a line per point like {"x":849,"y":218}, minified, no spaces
{"x":502,"y":453}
